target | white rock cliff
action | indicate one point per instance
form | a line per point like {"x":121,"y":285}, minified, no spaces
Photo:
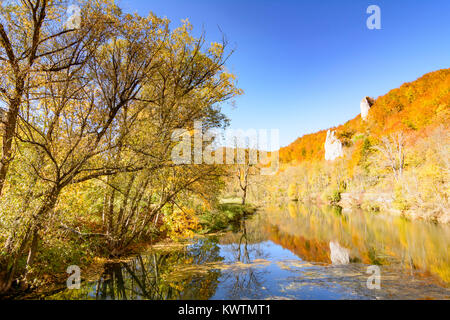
{"x":365,"y":108}
{"x":333,"y":147}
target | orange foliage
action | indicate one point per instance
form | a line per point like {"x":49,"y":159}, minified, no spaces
{"x":308,"y":250}
{"x":414,"y":108}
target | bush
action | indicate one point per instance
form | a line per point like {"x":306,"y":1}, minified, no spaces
{"x":370,"y":206}
{"x":225,"y":216}
{"x":293,"y":192}
{"x":400,"y":201}
{"x":332,"y":195}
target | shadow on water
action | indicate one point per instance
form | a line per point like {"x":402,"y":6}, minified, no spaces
{"x":292,"y":252}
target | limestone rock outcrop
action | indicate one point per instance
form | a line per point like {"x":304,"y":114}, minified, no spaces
{"x":333,"y":147}
{"x":365,"y":108}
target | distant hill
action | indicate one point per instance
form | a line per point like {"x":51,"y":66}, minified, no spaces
{"x":415,"y":107}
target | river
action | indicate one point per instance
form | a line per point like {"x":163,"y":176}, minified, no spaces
{"x":293,"y":251}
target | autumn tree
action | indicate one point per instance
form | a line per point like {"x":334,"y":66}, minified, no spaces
{"x":393,"y":150}
{"x":67,"y":118}
{"x":105,"y":118}
{"x":34,"y":40}
{"x":173,"y":101}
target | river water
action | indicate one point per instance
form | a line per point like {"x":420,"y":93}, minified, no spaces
{"x":290,"y":252}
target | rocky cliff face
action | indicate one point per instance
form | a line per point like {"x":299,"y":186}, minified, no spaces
{"x":333,"y":147}
{"x":365,"y":108}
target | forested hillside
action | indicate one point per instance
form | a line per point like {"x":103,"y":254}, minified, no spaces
{"x":396,"y":159}
{"x":414,"y":108}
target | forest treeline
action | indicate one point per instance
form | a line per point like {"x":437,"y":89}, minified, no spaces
{"x":87,"y":120}
{"x":399,"y":155}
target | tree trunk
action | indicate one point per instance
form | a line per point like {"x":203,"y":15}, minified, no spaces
{"x":8,"y":135}
{"x":8,"y":276}
{"x":244,"y":196}
{"x":32,"y":254}
{"x":36,"y":225}
{"x":33,"y":248}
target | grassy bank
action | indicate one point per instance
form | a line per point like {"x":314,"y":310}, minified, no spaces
{"x":226,"y":216}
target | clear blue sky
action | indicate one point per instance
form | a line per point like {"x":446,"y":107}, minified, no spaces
{"x":306,"y":64}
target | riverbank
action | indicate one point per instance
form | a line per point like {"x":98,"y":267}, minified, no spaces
{"x":386,"y":202}
{"x":225,"y":217}
{"x":377,"y":202}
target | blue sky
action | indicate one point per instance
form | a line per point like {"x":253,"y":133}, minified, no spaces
{"x":306,"y":64}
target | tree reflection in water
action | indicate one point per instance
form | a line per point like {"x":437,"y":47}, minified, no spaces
{"x":163,"y":275}
{"x":246,"y":279}
{"x":373,"y":239}
{"x":155,"y":276}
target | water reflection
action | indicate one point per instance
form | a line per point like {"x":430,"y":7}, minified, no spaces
{"x":296,"y":252}
{"x":243,"y":250}
{"x":159,"y":275}
{"x":372,"y":239}
{"x":338,"y":255}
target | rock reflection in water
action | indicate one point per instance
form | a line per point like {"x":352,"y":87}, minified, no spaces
{"x":339,"y":255}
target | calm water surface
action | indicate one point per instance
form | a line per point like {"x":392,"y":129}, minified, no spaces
{"x":291,"y":252}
